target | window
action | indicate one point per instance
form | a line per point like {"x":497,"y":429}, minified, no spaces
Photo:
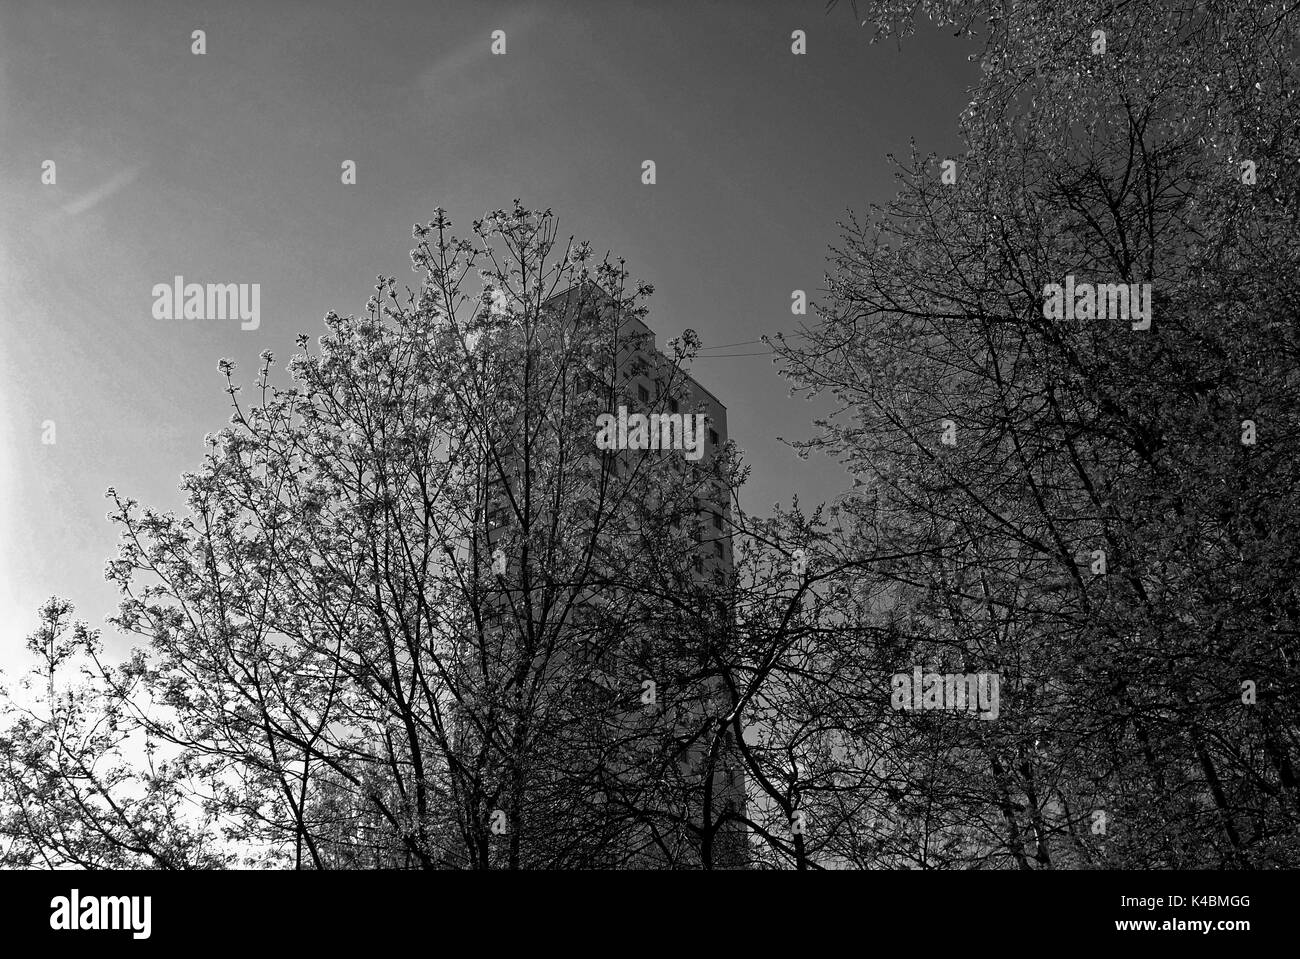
{"x":699,"y":564}
{"x":713,"y":438}
{"x":592,"y":654}
{"x":643,"y":393}
{"x":717,"y":521}
{"x":672,"y":405}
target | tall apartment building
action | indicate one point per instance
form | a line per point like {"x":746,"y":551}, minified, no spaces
{"x":642,"y":372}
{"x":641,"y":377}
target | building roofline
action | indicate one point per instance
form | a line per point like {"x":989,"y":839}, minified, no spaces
{"x":695,"y":384}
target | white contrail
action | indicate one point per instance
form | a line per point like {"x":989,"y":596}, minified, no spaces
{"x":102,"y":192}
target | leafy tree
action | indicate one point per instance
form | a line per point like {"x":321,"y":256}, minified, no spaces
{"x":407,"y":616}
{"x":75,"y":789}
{"x":1082,"y":437}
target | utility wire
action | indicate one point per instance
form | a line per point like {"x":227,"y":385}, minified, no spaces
{"x":723,"y":346}
{"x":703,"y":355}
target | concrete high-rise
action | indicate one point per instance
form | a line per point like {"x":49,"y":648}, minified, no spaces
{"x":708,"y":782}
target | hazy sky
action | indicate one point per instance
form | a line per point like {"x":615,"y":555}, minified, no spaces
{"x":226,"y":168}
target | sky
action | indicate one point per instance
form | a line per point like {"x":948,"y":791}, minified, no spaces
{"x":225,"y":167}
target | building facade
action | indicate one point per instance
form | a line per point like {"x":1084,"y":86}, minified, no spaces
{"x":662,"y":699}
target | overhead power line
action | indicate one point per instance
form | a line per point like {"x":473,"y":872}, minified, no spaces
{"x":724,"y":346}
